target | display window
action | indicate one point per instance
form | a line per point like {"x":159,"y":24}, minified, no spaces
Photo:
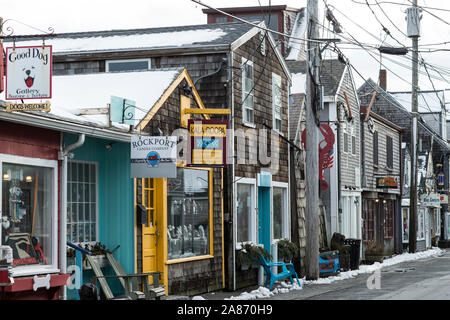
{"x":421,"y":224}
{"x":29,"y":213}
{"x":245,"y":211}
{"x":82,"y":213}
{"x":405,"y":225}
{"x":189,"y":213}
{"x":280,"y":213}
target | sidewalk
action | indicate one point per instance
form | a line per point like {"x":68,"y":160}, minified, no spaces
{"x":286,"y":291}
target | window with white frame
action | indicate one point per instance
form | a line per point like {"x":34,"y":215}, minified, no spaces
{"x":82,"y":202}
{"x":247,"y":92}
{"x":276,"y":102}
{"x":28,"y":197}
{"x":128,"y":65}
{"x":421,"y":224}
{"x":245,"y":212}
{"x":280,"y":212}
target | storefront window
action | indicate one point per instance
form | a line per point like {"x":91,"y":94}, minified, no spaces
{"x":369,"y":219}
{"x":421,"y":225}
{"x":405,"y":224}
{"x":82,"y":202}
{"x":188,"y":215}
{"x":388,"y":209}
{"x":28,"y":212}
{"x":279,"y":213}
{"x":244,"y":212}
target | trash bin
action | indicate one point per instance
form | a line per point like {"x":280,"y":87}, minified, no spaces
{"x":355,"y":246}
{"x":344,"y":257}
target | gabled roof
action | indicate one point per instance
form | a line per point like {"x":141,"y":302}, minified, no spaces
{"x":193,"y":36}
{"x":331,"y":74}
{"x":298,"y":31}
{"x":295,"y":109}
{"x":429,"y":101}
{"x":149,"y":89}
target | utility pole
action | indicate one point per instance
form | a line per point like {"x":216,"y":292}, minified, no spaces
{"x":413,"y":19}
{"x":312,"y":147}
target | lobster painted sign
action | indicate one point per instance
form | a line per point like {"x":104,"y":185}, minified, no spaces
{"x":326,"y":151}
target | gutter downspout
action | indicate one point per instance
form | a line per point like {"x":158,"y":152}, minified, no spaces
{"x":339,"y":213}
{"x":63,"y":155}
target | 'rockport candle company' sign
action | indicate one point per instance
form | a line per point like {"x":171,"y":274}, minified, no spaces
{"x":28,"y":72}
{"x":154,"y":157}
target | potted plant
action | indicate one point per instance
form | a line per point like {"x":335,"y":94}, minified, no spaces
{"x":287,"y":250}
{"x":374,"y":251}
{"x":98,"y":253}
{"x":248,"y":256}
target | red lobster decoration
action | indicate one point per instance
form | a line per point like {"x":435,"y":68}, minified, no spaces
{"x":326,"y":157}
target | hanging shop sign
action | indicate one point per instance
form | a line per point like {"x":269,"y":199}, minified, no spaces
{"x":431,"y":200}
{"x":44,"y":106}
{"x":207,"y":143}
{"x":387,"y":182}
{"x":154,"y":157}
{"x":28,"y":72}
{"x":2,"y":84}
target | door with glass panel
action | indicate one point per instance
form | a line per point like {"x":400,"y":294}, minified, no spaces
{"x":149,"y":231}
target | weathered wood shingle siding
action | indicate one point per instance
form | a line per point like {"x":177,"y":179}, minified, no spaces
{"x":264,"y":66}
{"x":370,"y":171}
{"x":203,"y":275}
{"x":349,"y":161}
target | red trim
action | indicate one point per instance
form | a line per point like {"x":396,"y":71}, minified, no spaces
{"x":51,"y":72}
{"x":26,"y":283}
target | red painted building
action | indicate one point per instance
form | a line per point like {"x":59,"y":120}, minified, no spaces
{"x":30,"y":209}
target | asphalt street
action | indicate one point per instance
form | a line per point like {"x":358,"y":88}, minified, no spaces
{"x":425,"y":279}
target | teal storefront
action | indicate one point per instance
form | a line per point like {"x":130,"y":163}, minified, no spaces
{"x":100,"y":202}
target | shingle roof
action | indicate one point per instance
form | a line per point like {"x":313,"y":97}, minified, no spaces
{"x":294,"y":113}
{"x":331,"y":72}
{"x":144,"y":39}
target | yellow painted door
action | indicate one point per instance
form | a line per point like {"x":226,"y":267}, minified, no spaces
{"x":149,"y":231}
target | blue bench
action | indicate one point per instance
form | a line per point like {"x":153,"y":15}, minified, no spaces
{"x":288,"y":271}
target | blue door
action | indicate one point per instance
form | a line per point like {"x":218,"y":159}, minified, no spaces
{"x":264,"y":217}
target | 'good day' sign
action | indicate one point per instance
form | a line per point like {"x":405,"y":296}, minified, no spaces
{"x":29,"y":72}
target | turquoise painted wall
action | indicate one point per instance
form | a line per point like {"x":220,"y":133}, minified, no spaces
{"x":115,"y":196}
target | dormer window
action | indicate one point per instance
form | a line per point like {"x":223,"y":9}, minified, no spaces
{"x":128,"y":65}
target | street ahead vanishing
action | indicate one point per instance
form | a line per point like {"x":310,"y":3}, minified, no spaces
{"x":424,"y":279}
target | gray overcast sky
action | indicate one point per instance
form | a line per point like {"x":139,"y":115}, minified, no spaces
{"x":88,"y":15}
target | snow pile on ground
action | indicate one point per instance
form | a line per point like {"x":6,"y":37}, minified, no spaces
{"x":263,"y":292}
{"x":198,"y":298}
{"x":285,"y":287}
{"x":434,"y":252}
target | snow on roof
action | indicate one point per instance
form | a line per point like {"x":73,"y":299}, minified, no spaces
{"x":298,"y":83}
{"x":428,"y":100}
{"x":106,"y":42}
{"x":70,"y":93}
{"x":298,"y":31}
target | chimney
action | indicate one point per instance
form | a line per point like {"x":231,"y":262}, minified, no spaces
{"x":383,"y":79}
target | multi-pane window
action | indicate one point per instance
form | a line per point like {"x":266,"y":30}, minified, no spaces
{"x":405,"y":224}
{"x":247,"y":91}
{"x":375,"y":148}
{"x":388,"y":208}
{"x":128,"y":65}
{"x":369,"y":219}
{"x":389,"y":152}
{"x":188,"y":213}
{"x":221,"y":19}
{"x":280,"y":214}
{"x":346,"y":141}
{"x":276,"y":101}
{"x":81,"y":202}
{"x":29,"y":214}
{"x":245,"y":212}
{"x":353,"y":145}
